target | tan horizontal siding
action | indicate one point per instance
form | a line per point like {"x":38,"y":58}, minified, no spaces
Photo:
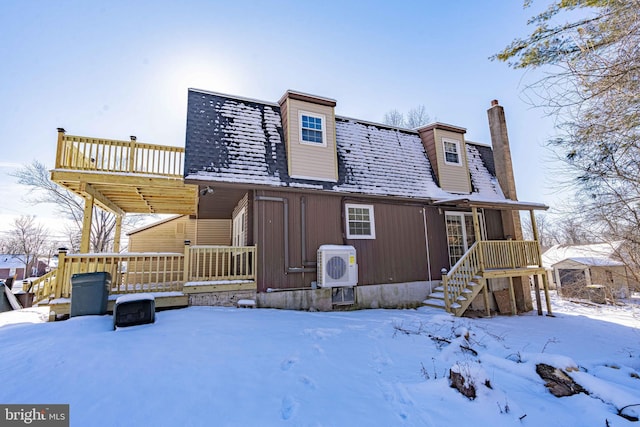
{"x":308,"y":160}
{"x":170,"y":236}
{"x":452,"y":177}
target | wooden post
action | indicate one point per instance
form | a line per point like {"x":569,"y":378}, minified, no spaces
{"x":545,"y":286}
{"x":536,"y":237}
{"x":536,"y":280}
{"x":117,"y":234}
{"x":132,"y":153}
{"x":60,"y":148}
{"x":62,"y":253}
{"x":483,"y":282}
{"x":512,"y":295}
{"x":445,"y":289}
{"x":86,"y":225}
{"x":187,"y":260}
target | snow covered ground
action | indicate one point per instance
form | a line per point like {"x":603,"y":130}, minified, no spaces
{"x":205,"y":366}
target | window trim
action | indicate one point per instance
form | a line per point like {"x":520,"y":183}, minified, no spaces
{"x":463,"y":215}
{"x":239,"y":232}
{"x":372,"y":222}
{"x":323,"y":120}
{"x":457,"y":143}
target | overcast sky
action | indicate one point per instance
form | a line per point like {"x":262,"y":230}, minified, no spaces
{"x":114,"y":68}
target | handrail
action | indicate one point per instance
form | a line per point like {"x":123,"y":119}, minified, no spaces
{"x":495,"y":254}
{"x":107,"y":155}
{"x":150,"y":271}
{"x":208,"y":263}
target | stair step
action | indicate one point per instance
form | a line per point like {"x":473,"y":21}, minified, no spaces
{"x":439,"y":303}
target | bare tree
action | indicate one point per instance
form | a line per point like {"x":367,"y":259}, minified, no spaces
{"x":27,"y":238}
{"x":71,"y":207}
{"x":592,"y":86}
{"x":416,"y":117}
{"x":394,"y":118}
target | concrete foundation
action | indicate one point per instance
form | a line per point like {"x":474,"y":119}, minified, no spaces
{"x":393,"y":295}
{"x":221,"y":298}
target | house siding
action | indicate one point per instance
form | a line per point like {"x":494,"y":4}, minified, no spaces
{"x":308,"y":160}
{"x":398,"y":254}
{"x":170,"y":236}
{"x":452,"y":178}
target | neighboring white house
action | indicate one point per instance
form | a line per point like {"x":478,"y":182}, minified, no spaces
{"x":578,"y":268}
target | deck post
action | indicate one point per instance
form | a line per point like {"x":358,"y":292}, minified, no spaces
{"x":187,"y":260}
{"x":483,"y":282}
{"x":537,"y":280}
{"x":117,"y":234}
{"x":536,"y":237}
{"x":545,"y":286}
{"x":86,"y":225}
{"x":132,"y":153}
{"x":62,"y":253}
{"x":445,"y":290}
{"x":512,"y":297}
{"x":60,"y":149}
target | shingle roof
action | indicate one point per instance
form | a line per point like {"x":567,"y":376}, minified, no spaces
{"x":237,"y":140}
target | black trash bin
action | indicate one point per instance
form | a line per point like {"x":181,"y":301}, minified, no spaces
{"x":90,"y":293}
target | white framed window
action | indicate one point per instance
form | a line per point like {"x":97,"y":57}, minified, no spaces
{"x":460,"y":233}
{"x":239,"y":228}
{"x":360,"y":220}
{"x":312,"y":128}
{"x":451,"y":151}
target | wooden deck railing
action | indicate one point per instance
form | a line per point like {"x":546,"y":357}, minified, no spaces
{"x":150,"y":272}
{"x":487,"y":255}
{"x":462,"y":273}
{"x":507,"y":254}
{"x":106,"y":155}
{"x":208,"y":263}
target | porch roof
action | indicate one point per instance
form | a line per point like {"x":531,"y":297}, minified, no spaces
{"x":471,"y":202}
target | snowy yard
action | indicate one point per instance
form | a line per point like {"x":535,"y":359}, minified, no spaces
{"x":241,"y":367}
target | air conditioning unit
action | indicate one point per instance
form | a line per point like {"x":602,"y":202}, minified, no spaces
{"x":337,"y":266}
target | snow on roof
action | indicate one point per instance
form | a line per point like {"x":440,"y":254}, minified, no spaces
{"x":9,"y":261}
{"x":240,"y":140}
{"x":593,"y":261}
{"x":595,"y":251}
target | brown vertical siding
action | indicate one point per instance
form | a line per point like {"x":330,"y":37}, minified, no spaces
{"x":396,"y":255}
{"x":438,"y":247}
{"x":493,"y":223}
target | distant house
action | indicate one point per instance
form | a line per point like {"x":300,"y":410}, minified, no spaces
{"x":12,"y":265}
{"x":576,"y":270}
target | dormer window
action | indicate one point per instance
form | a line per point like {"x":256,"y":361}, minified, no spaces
{"x":451,"y":151}
{"x":312,"y":128}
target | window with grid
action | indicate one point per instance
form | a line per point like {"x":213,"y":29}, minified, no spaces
{"x":360,"y":222}
{"x":312,"y":128}
{"x":460,"y":233}
{"x":451,"y":151}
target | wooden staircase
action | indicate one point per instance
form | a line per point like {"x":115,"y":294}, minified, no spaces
{"x":461,"y":285}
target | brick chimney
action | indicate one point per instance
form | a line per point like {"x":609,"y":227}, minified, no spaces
{"x":504,"y":166}
{"x":504,"y":172}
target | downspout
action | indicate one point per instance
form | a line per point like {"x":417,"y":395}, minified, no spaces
{"x":303,"y":233}
{"x":426,"y":244}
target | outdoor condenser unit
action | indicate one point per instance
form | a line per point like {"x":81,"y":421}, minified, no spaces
{"x":337,"y":266}
{"x":134,"y":309}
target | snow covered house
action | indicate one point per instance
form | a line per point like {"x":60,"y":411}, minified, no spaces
{"x":12,"y":265}
{"x":397,"y":205}
{"x":322,"y":211}
{"x":580,"y":270}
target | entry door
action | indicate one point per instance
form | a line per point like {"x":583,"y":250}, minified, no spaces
{"x":460,"y":234}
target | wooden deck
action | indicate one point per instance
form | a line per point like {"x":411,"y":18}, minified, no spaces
{"x":124,"y":176}
{"x":171,"y":277}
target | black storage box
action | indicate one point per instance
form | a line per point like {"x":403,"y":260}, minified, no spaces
{"x":90,"y":293}
{"x":134,"y":309}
